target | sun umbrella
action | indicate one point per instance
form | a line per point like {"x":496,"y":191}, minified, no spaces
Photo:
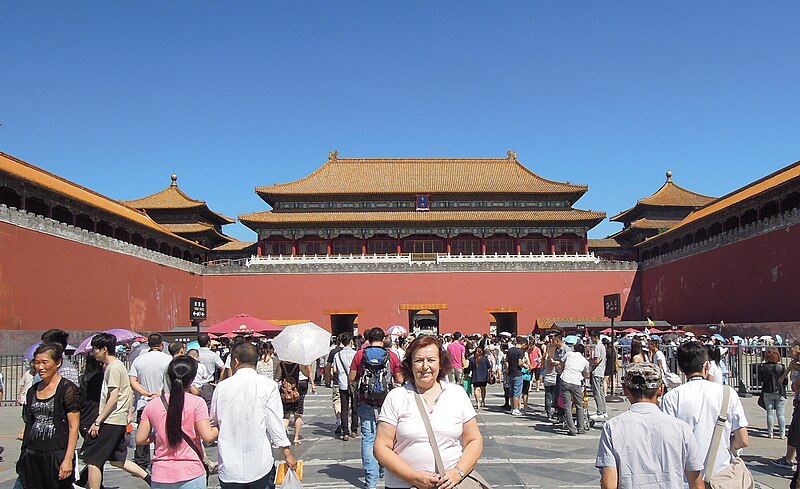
{"x":302,"y":343}
{"x":192,"y":345}
{"x":244,"y":324}
{"x":396,"y":330}
{"x":778,"y":339}
{"x":669,"y":337}
{"x":738,"y":339}
{"x":719,"y":337}
{"x":655,"y":337}
{"x":766,"y":337}
{"x":28,"y":356}
{"x":506,"y":333}
{"x":122,"y":335}
{"x":571,"y":339}
{"x":624,"y":341}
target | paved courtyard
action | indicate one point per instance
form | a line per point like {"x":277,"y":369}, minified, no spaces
{"x":524,"y":451}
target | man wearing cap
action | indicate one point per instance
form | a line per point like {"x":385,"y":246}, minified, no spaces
{"x":644,"y":447}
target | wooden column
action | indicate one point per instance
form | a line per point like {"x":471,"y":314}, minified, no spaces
{"x":363,"y":246}
{"x":483,"y":246}
{"x":260,"y":249}
{"x":330,"y":247}
{"x":552,"y":242}
{"x":517,"y":246}
{"x":294,"y":246}
{"x":448,"y":244}
{"x":586,"y":244}
{"x":399,"y":246}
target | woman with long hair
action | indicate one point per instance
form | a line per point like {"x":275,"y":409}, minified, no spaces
{"x":178,"y":419}
{"x":52,"y":416}
{"x":268,"y":362}
{"x":90,"y":389}
{"x":480,"y":366}
{"x":773,"y":377}
{"x":638,"y":352}
{"x":292,"y":373}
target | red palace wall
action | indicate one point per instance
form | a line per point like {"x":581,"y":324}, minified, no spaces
{"x":47,"y":282}
{"x":379,"y":296}
{"x":755,"y":280}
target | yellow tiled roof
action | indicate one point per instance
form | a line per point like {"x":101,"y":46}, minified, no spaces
{"x":654,"y":223}
{"x":569,"y":215}
{"x":30,"y":173}
{"x":670,"y":195}
{"x":762,"y":185}
{"x":195,"y":228}
{"x":605,"y":243}
{"x":352,"y":176}
{"x":235,"y":246}
{"x":174,"y":198}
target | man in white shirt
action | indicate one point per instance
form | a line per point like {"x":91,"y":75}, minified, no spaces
{"x":598,"y":373}
{"x":347,"y":391}
{"x":148,"y":378}
{"x":212,"y":362}
{"x":575,"y":371}
{"x":247,"y":408}
{"x":698,"y":402}
{"x":644,"y":447}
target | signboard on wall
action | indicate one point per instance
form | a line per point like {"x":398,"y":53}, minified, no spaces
{"x":611,"y":306}
{"x":197,"y":309}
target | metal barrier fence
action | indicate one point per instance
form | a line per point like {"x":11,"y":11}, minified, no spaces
{"x":739,"y":365}
{"x":13,"y":366}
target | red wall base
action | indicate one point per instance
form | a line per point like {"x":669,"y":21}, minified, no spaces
{"x":752,"y":281}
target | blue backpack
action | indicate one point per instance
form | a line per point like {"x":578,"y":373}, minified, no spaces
{"x":376,"y":376}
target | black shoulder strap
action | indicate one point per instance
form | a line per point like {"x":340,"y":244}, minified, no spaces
{"x":185,"y":437}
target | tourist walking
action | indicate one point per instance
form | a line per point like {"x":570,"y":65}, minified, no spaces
{"x":535,"y":356}
{"x":347,"y":390}
{"x":330,"y":380}
{"x":106,"y":440}
{"x":67,"y":369}
{"x":248,"y":411}
{"x":147,"y":375}
{"x":90,"y":390}
{"x":644,"y":447}
{"x":481,"y":368}
{"x":179,"y":420}
{"x":457,"y":352}
{"x":402,"y":443}
{"x":516,"y":360}
{"x":52,"y":416}
{"x":793,"y":437}
{"x":374,"y":370}
{"x":294,"y":381}
{"x":698,"y":402}
{"x":575,"y":370}
{"x":774,"y":378}
{"x":267,"y":362}
{"x":598,"y":373}
{"x":213,"y":365}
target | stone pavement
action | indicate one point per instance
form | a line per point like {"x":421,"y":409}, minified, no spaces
{"x":524,"y":451}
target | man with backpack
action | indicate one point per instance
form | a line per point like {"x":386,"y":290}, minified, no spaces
{"x":374,"y":370}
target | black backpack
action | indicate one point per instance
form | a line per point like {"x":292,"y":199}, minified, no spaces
{"x":376,"y":376}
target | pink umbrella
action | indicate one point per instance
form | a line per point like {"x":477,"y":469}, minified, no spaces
{"x":122,"y":335}
{"x":244,"y":324}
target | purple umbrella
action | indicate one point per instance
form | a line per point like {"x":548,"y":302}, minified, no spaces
{"x":28,"y":356}
{"x":123,"y":336}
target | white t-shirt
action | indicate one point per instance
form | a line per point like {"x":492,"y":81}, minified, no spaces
{"x":661,"y":360}
{"x":341,"y":365}
{"x":450,"y":411}
{"x":574,"y":366}
{"x":150,"y":369}
{"x":716,"y":372}
{"x":698,"y":403}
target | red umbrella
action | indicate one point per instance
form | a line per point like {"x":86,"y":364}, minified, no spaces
{"x":243,"y":324}
{"x":606,"y":331}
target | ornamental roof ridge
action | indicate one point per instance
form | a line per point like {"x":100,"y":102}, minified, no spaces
{"x":68,"y":188}
{"x":354,"y":176}
{"x":173,"y":197}
{"x":670,"y":194}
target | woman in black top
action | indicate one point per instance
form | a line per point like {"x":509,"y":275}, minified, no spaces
{"x":773,"y":388}
{"x":52,"y":416}
{"x":290,"y":375}
{"x":480,"y":367}
{"x":90,"y":391}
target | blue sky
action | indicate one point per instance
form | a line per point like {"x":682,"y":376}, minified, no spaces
{"x":116,"y":96}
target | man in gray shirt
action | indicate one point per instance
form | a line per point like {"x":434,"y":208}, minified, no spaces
{"x":598,"y":362}
{"x":644,"y":447}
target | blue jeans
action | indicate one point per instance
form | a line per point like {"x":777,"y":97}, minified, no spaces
{"x":198,"y":483}
{"x":369,"y":424}
{"x":776,"y":406}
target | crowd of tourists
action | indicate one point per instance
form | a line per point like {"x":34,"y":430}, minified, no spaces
{"x":405,"y":398}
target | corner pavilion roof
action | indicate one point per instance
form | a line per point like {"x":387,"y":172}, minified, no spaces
{"x":174,"y":198}
{"x":669,"y":195}
{"x":780,"y":177}
{"x":416,"y":217}
{"x":356,"y":176}
{"x":37,"y":176}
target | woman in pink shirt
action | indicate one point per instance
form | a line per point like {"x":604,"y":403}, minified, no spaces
{"x":175,"y":417}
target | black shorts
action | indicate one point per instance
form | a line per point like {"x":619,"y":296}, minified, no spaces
{"x":479,"y":385}
{"x":109,"y":445}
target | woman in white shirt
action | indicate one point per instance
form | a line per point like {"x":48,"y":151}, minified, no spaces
{"x":401,"y":442}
